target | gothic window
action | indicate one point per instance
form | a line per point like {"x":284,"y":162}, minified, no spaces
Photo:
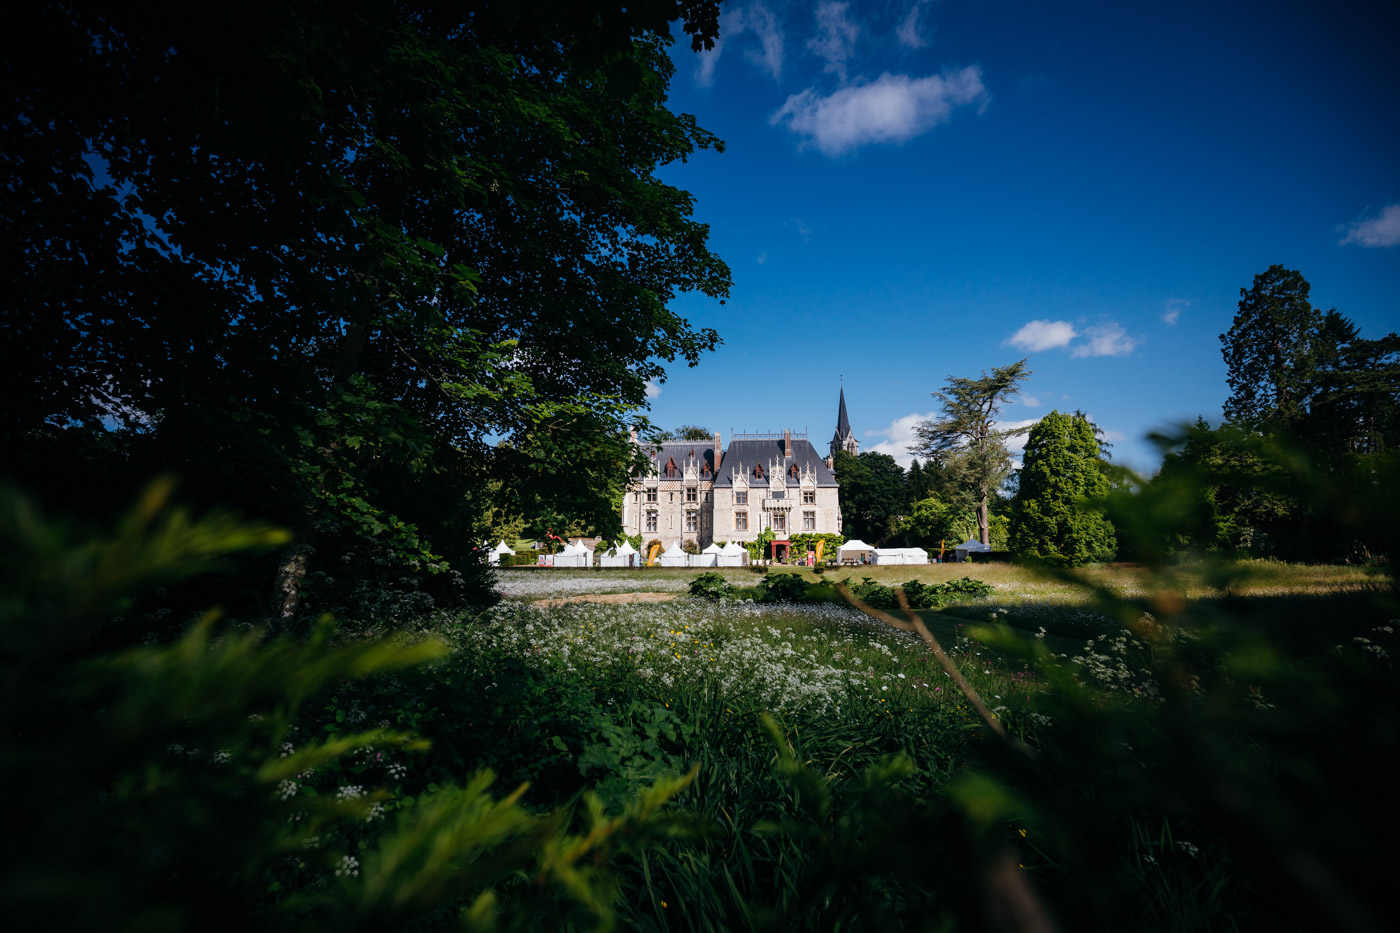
{"x":779,"y":521}
{"x":651,"y":521}
{"x":692,"y":521}
{"x":809,"y":521}
{"x":741,"y":497}
{"x":671,"y":471}
{"x":793,"y":471}
{"x":651,"y":494}
{"x":741,"y":521}
{"x":690,"y":494}
{"x":758,"y":472}
{"x":809,"y":497}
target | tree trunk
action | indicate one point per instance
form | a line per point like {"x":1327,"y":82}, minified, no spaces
{"x":290,"y":574}
{"x":984,"y":530}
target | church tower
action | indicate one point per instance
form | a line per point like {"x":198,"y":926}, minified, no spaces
{"x":844,"y":439}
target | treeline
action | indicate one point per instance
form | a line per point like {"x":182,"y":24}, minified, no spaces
{"x":1313,"y":420}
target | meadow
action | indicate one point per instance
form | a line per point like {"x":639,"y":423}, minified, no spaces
{"x":845,"y":782}
{"x":1190,"y":747}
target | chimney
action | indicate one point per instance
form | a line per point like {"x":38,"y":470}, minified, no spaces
{"x":718,"y":453}
{"x":831,"y":463}
{"x":787,"y":443}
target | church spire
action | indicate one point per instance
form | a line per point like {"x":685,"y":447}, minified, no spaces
{"x":844,"y":439}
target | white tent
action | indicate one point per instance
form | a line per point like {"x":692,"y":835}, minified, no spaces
{"x":500,"y":552}
{"x":624,"y":555}
{"x":574,"y":555}
{"x":708,"y":557}
{"x":855,"y":549}
{"x":900,"y":555}
{"x":673,"y":556}
{"x":733,"y":554}
{"x":970,"y":546}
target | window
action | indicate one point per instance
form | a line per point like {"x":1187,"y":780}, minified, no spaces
{"x":651,"y":494}
{"x":671,"y":470}
{"x":741,"y":521}
{"x":651,"y":521}
{"x":741,"y":497}
{"x":793,"y":471}
{"x":690,"y":494}
{"x":809,"y":521}
{"x":809,"y":497}
{"x":705,"y":470}
{"x":692,"y":521}
{"x":779,"y":521}
{"x":758,"y":472}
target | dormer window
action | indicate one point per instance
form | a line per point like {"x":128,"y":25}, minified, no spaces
{"x":758,"y":472}
{"x":705,"y":470}
{"x":671,"y":471}
{"x":793,"y":471}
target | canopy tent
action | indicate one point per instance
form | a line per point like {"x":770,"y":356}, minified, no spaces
{"x":574,"y":555}
{"x":900,"y":555}
{"x":733,"y":554}
{"x":970,"y":546}
{"x":673,"y":556}
{"x":500,"y":552}
{"x":708,"y":557}
{"x":855,"y":549}
{"x":624,"y":555}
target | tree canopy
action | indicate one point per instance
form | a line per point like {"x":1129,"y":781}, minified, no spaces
{"x":1271,"y":350}
{"x":873,"y":493}
{"x":317,"y":257}
{"x":965,"y":443}
{"x":1053,"y":519}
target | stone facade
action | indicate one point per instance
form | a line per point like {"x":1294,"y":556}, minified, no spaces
{"x":702,"y":492}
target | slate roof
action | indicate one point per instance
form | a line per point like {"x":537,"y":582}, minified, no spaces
{"x":759,"y":453}
{"x":680,"y":452}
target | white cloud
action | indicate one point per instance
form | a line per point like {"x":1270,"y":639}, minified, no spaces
{"x":899,"y":436}
{"x":1106,"y":340}
{"x":758,"y":20}
{"x":803,"y":229}
{"x":891,"y":109}
{"x":836,"y":37}
{"x":762,"y":258}
{"x":1380,"y":231}
{"x":1016,"y":444}
{"x":1042,"y":335}
{"x":653,"y":388}
{"x":770,"y":39}
{"x":1173,"y":309}
{"x":1030,"y":401}
{"x":908,"y":31}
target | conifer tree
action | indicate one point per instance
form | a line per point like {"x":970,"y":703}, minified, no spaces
{"x":965,"y":443}
{"x":1062,"y":469}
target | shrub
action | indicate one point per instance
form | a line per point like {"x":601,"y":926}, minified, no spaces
{"x":711,"y":586}
{"x":784,"y":587}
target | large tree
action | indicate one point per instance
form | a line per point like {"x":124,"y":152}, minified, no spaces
{"x":965,"y":441}
{"x":317,"y":256}
{"x":1052,"y":518}
{"x":1271,"y":351}
{"x":873,"y":493}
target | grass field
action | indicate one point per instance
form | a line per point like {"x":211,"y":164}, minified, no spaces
{"x":1134,"y":728}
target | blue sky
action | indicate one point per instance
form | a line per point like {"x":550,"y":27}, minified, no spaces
{"x":912,"y":190}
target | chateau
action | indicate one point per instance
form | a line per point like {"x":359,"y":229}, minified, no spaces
{"x":702,"y":492}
